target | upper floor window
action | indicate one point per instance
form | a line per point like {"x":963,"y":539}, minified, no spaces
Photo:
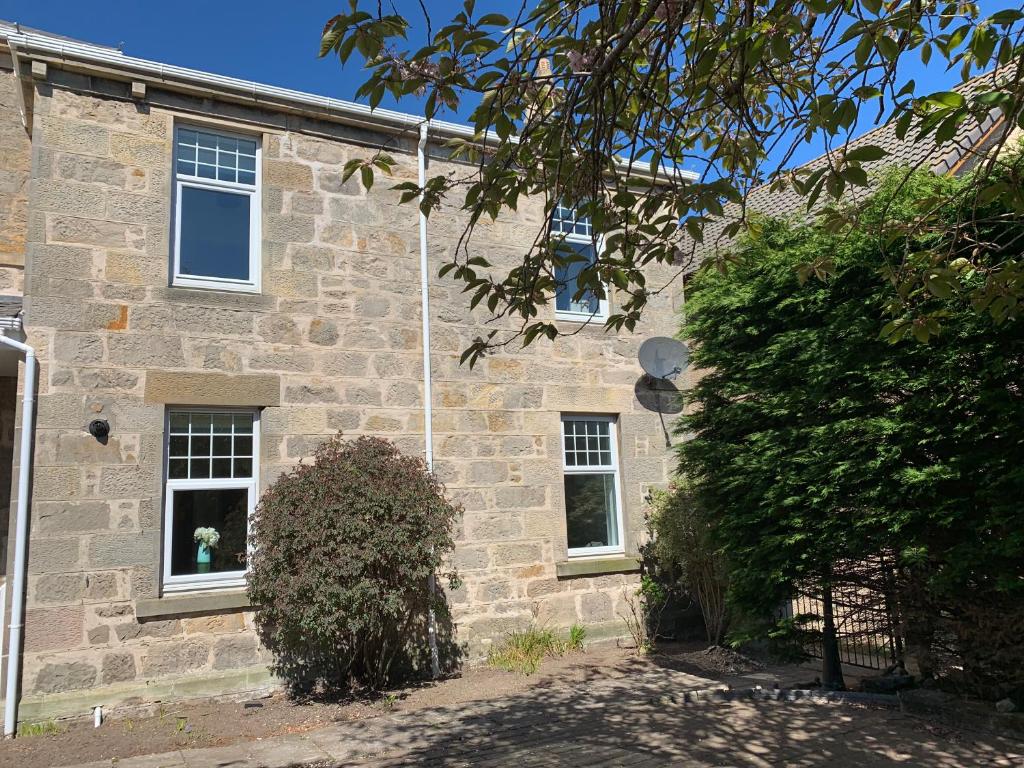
{"x":578,"y":238}
{"x":216,"y":210}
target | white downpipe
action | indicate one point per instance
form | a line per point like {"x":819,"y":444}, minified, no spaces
{"x":17,"y":626}
{"x":428,"y":399}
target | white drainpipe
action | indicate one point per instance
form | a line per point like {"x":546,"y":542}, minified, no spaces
{"x":428,"y":400}
{"x":17,"y":625}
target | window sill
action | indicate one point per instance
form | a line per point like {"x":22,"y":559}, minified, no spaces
{"x":581,"y":318}
{"x":172,"y":604}
{"x":597,"y":566}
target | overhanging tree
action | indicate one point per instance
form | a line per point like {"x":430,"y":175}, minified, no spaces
{"x":814,"y":444}
{"x":565,"y":91}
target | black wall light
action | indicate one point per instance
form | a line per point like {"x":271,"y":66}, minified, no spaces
{"x":99,"y":428}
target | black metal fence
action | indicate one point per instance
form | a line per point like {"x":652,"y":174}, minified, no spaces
{"x":866,"y":614}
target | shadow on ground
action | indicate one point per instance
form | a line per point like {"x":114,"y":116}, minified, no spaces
{"x":634,"y":715}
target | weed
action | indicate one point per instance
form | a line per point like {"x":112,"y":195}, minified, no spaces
{"x":523,"y":651}
{"x":577,"y":636}
{"x":129,"y":725}
{"x":388,"y":701}
{"x":39,"y":729}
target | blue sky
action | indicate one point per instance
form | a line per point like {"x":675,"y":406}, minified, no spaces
{"x":270,"y":42}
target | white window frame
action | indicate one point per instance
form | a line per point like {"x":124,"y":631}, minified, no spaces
{"x":253,"y":191}
{"x":602,"y":306}
{"x":611,"y":468}
{"x":205,"y":581}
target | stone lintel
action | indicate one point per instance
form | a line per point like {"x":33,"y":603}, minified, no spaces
{"x":180,"y":605}
{"x":596,"y":566}
{"x":179,"y":388}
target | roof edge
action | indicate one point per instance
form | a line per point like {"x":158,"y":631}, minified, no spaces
{"x":27,"y":43}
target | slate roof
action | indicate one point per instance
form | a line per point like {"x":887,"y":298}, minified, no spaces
{"x":955,"y":156}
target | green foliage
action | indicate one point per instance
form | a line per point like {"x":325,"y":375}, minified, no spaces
{"x":523,"y":651}
{"x":43,"y":728}
{"x":598,"y":103}
{"x":686,"y":555}
{"x":815,"y":443}
{"x":343,"y":552}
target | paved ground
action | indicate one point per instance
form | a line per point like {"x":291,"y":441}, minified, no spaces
{"x":626,"y":721}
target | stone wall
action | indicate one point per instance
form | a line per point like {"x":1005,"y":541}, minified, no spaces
{"x":335,"y":334}
{"x":14,"y":170}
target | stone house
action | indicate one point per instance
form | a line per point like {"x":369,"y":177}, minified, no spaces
{"x":205,"y":293}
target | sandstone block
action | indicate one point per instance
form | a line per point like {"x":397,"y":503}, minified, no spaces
{"x":59,"y":588}
{"x":108,"y":234}
{"x":133,"y":630}
{"x":174,"y":658}
{"x":287,"y":175}
{"x":54,"y":556}
{"x":118,"y":550}
{"x":57,"y":678}
{"x":99,"y":635}
{"x":132,"y":149}
{"x":596,"y":606}
{"x":234,"y":652}
{"x":91,"y":169}
{"x":212,"y":388}
{"x":146,"y":351}
{"x":55,"y":518}
{"x":118,"y":668}
{"x":323,"y":333}
{"x":515,"y":554}
{"x":60,"y":628}
{"x":69,"y":199}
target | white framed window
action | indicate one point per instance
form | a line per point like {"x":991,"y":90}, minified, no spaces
{"x":216,"y":216}
{"x":593,"y":493}
{"x":577,"y":235}
{"x":210,"y":472}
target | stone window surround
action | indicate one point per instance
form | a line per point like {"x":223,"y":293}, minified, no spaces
{"x":254,"y":284}
{"x":211,"y":582}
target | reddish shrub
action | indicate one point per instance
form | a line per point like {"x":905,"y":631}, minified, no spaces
{"x":342,"y":553}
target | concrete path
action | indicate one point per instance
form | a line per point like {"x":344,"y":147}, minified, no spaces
{"x":625,"y":721}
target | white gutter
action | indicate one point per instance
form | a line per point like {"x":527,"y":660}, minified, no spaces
{"x":17,"y":626}
{"x":69,"y":52}
{"x":428,"y":399}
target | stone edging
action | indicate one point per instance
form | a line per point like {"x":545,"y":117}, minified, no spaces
{"x":757,"y":693}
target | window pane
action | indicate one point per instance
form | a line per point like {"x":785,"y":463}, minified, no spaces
{"x":590,"y":511}
{"x":565,"y":280}
{"x":177,"y":469}
{"x":199,"y":469}
{"x":221,"y":468}
{"x":221,"y":445}
{"x":200,"y":422}
{"x":200,"y":445}
{"x":243,"y":446}
{"x":243,"y":423}
{"x":226,"y":511}
{"x":243,"y":468}
{"x":214,"y":234}
{"x":246,"y":177}
{"x":222,"y":423}
{"x":179,"y":422}
{"x":178,"y":445}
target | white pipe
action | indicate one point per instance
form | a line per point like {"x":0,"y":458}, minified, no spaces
{"x":428,"y":399}
{"x":97,"y":717}
{"x":17,"y":626}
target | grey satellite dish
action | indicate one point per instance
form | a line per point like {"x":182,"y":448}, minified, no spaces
{"x":663,"y":358}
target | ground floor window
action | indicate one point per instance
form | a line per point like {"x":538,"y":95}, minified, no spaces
{"x":593,"y":500}
{"x":211,"y":471}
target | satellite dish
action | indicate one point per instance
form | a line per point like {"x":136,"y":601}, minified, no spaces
{"x":663,"y":358}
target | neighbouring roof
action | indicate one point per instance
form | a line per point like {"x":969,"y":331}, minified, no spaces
{"x":954,"y":156}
